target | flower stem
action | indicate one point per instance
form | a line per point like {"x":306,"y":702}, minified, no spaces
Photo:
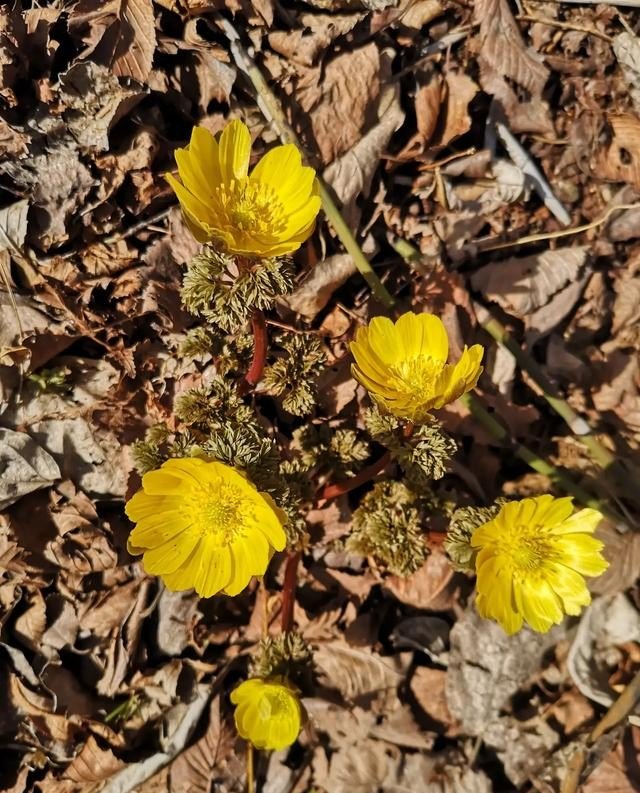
{"x":250,"y":774}
{"x":362,"y":477}
{"x":272,"y":111}
{"x":260,"y":347}
{"x":289,"y":591}
{"x":538,"y":464}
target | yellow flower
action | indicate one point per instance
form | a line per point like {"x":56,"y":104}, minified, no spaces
{"x":531,"y":562}
{"x":270,"y":213}
{"x":404,"y":365}
{"x":268,"y":712}
{"x":203,"y":525}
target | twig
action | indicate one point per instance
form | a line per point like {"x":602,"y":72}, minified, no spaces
{"x":556,"y":23}
{"x":554,"y":235}
{"x":289,"y":591}
{"x":616,"y":714}
{"x":270,"y":107}
{"x":535,"y":462}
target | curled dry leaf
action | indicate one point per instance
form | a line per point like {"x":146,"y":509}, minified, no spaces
{"x":118,"y":33}
{"x":503,"y":57}
{"x":610,"y":621}
{"x":619,"y":160}
{"x":356,"y":672}
{"x":93,"y":764}
{"x":430,"y":587}
{"x":25,"y":466}
{"x":339,"y":97}
{"x":522,"y":285}
{"x":315,"y":291}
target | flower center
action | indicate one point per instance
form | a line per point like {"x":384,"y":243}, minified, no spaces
{"x":274,"y":703}
{"x":528,"y":549}
{"x":418,"y":375}
{"x":221,"y":510}
{"x":250,"y":207}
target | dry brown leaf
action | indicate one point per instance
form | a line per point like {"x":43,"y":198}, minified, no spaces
{"x":522,"y":285}
{"x":339,"y":97}
{"x":195,"y":769}
{"x":572,"y":710}
{"x":313,"y":294}
{"x":356,"y":672}
{"x":622,"y":551}
{"x":620,"y":770}
{"x":627,"y":49}
{"x":93,"y":764}
{"x":428,"y":687}
{"x":461,"y":89}
{"x":502,"y":49}
{"x":430,"y":587}
{"x":619,"y":161}
{"x":428,"y":103}
{"x":25,"y":466}
{"x":118,"y":33}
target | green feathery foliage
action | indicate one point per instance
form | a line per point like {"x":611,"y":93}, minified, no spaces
{"x":463,"y":521}
{"x":423,"y":456}
{"x":214,"y":405}
{"x":225,"y":290}
{"x":338,"y":453}
{"x":286,"y":655}
{"x":159,"y":445}
{"x":388,"y":525}
{"x":51,"y":380}
{"x":292,"y":376}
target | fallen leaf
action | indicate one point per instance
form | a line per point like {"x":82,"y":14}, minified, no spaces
{"x":619,"y":160}
{"x":522,"y":285}
{"x":626,"y":47}
{"x":355,"y":672}
{"x":315,"y":291}
{"x":92,"y":764}
{"x":25,"y":466}
{"x":428,"y":687}
{"x":427,"y":588}
{"x":339,"y":97}
{"x":119,"y":33}
{"x":619,"y":771}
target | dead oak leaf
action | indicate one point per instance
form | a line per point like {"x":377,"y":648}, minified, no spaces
{"x":339,"y":98}
{"x":119,"y":34}
{"x":619,"y":160}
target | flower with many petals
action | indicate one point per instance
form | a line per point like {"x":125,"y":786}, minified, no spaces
{"x":204,"y":525}
{"x":404,"y":365}
{"x":268,"y":712}
{"x":531,"y":562}
{"x":268,"y":213}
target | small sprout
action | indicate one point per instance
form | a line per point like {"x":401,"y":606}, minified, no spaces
{"x":423,"y":456}
{"x":293,"y":374}
{"x":286,"y":654}
{"x":338,"y":453}
{"x":388,"y":525}
{"x":51,"y":380}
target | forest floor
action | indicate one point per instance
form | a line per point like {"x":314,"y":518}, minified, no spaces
{"x":486,"y":157}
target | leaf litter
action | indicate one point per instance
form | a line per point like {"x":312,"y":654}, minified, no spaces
{"x":456,"y":129}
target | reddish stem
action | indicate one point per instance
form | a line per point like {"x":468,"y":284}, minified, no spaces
{"x":260,"y":346}
{"x":362,"y":477}
{"x":289,"y":590}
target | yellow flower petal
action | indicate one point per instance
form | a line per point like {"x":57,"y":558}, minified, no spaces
{"x":213,"y":532}
{"x":530,"y":568}
{"x":404,"y":365}
{"x":268,"y":713}
{"x":234,"y":151}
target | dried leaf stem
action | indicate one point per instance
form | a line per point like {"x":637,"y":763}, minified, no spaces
{"x":272,"y":111}
{"x":250,"y":774}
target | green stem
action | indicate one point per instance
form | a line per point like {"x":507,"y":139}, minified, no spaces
{"x":272,"y":111}
{"x":535,"y":462}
